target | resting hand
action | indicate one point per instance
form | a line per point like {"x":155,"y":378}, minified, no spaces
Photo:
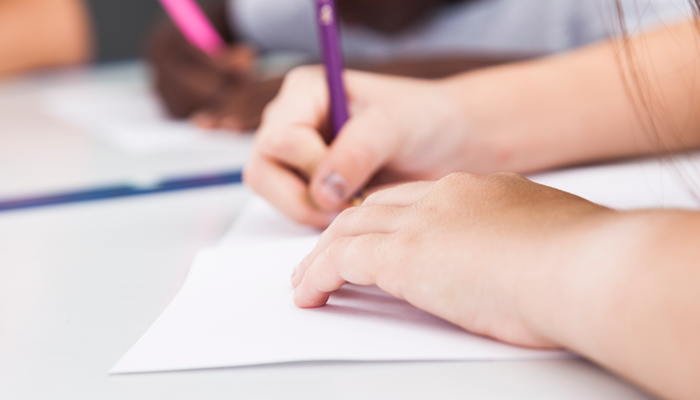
{"x":467,"y":248}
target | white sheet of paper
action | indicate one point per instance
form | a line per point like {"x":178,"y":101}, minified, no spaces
{"x":235,"y":308}
{"x":649,"y":183}
{"x":128,"y":116}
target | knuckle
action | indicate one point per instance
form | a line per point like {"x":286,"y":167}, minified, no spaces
{"x":458,"y":182}
{"x":361,"y":155}
{"x":510,"y":177}
{"x":373,"y":198}
{"x":335,"y":249}
{"x":270,"y":110}
{"x":480,"y":186}
{"x":455,"y":186}
{"x":300,"y":75}
{"x":341,"y":223}
{"x":461,"y":179}
{"x":275,"y":143}
{"x":346,"y":216}
{"x":466,"y":184}
{"x":503,"y":184}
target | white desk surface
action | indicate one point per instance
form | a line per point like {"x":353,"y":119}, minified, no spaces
{"x":79,"y":284}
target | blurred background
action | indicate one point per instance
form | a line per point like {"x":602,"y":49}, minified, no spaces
{"x":120,"y":26}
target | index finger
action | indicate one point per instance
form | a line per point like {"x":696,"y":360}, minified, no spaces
{"x":298,"y":113}
{"x":302,"y":100}
{"x":363,"y":260}
{"x":285,"y":190}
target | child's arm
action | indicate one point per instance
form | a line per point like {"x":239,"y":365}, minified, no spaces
{"x":578,"y":108}
{"x":238,"y":105}
{"x":225,"y":91}
{"x":521,"y":117}
{"x":433,"y":68}
{"x":530,"y":265}
{"x":42,"y":33}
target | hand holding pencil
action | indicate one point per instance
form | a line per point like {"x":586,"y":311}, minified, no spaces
{"x":311,"y":158}
{"x":201,"y":77}
{"x":398,"y":131}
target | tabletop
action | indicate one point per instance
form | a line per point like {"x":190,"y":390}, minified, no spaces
{"x":79,"y":284}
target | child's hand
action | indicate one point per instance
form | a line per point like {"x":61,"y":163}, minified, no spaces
{"x":401,"y":129}
{"x":237,"y":105}
{"x":476,"y":250}
{"x":217,"y":91}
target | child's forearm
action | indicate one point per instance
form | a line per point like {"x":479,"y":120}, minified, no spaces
{"x":433,"y":68}
{"x":575,"y":108}
{"x":624,"y":291}
{"x":42,"y":33}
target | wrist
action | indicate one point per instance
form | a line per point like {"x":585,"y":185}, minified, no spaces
{"x":625,"y":296}
{"x":571,"y":275}
{"x":593,"y":271}
{"x":486,"y":119}
{"x":450,"y":127}
{"x":506,"y":118}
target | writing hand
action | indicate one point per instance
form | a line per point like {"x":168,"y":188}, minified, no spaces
{"x":400,"y":129}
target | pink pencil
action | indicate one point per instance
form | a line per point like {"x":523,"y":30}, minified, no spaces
{"x":194,"y":25}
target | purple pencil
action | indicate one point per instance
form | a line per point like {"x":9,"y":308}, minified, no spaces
{"x":332,"y":54}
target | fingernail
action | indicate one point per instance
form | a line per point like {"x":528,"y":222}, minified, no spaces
{"x":296,"y":270}
{"x":335,"y":188}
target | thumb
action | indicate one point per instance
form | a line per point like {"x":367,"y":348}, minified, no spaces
{"x":365,"y":144}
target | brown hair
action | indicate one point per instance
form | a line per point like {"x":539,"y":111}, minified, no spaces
{"x":644,"y":99}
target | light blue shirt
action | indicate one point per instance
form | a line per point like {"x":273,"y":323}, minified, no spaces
{"x":490,"y":27}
